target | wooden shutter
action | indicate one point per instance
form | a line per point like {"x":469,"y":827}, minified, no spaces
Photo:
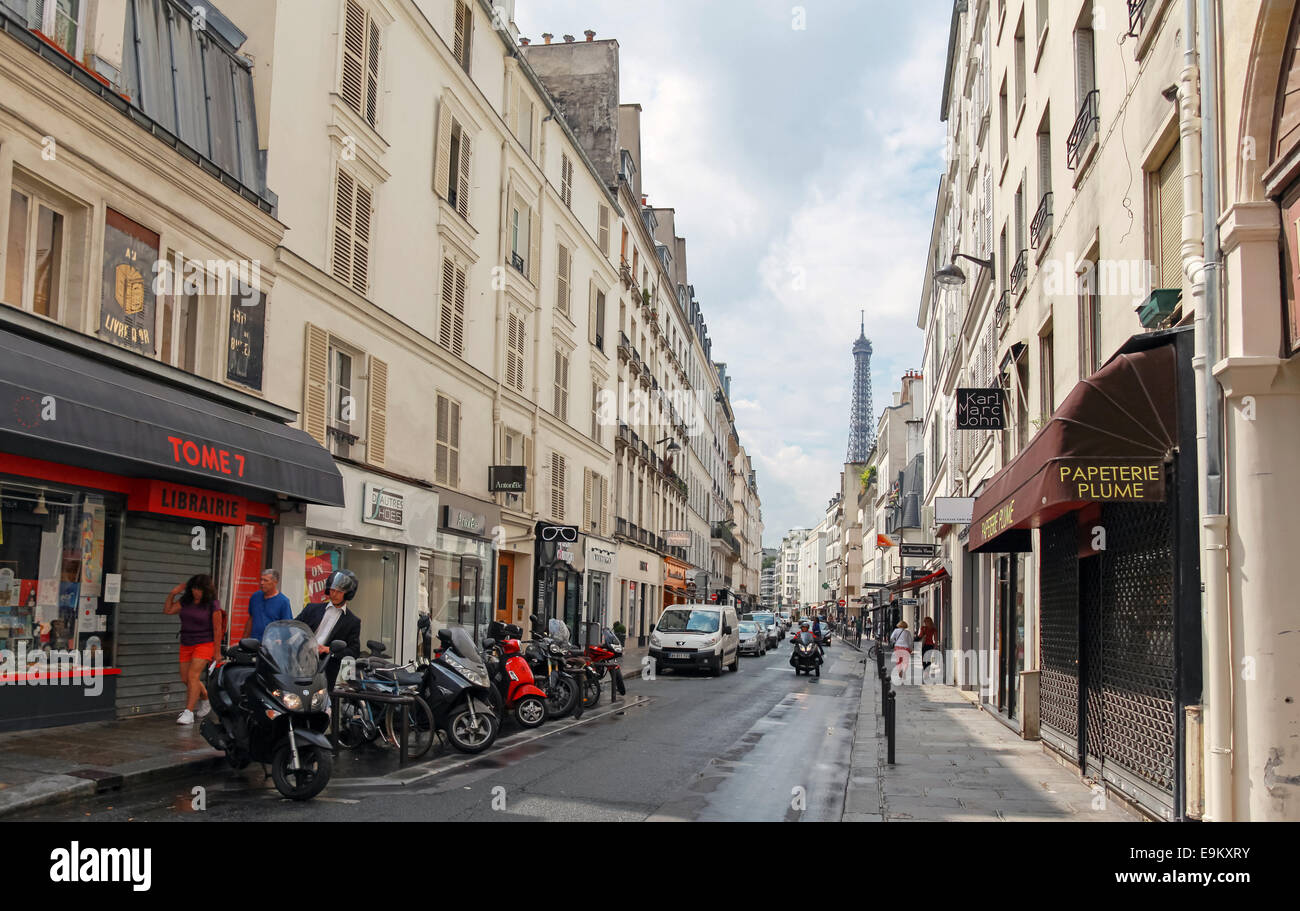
{"x":604,"y":507}
{"x":566,"y":181}
{"x":1044,"y":164}
{"x":1084,"y":66}
{"x":442,"y":145}
{"x":1170,"y":190}
{"x":344,"y":202}
{"x":534,"y":248}
{"x":462,"y":178}
{"x":352,"y":82}
{"x":586,"y":501}
{"x":453,"y":445}
{"x":372,"y":71}
{"x":458,"y":321}
{"x":316,"y":374}
{"x":512,"y":359}
{"x":591,"y":314}
{"x":460,"y":38}
{"x":530,"y":480}
{"x":557,"y":487}
{"x":442,"y":456}
{"x":447,"y":317}
{"x":377,"y":418}
{"x":602,"y":232}
{"x":361,"y":240}
{"x":562,"y":282}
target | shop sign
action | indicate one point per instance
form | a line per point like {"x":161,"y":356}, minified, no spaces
{"x":600,"y":557}
{"x":210,"y":458}
{"x":194,"y":503}
{"x":980,"y":409}
{"x":918,"y":550}
{"x":507,"y":478}
{"x":246,"y":337}
{"x":463,"y":520}
{"x":383,"y":506}
{"x":953,"y":510}
{"x":1085,"y":479}
{"x":677,"y":538}
{"x":127,"y":301}
{"x":566,"y":552}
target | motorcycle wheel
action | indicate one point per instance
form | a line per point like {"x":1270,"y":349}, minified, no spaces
{"x":562,"y":698}
{"x":306,"y":782}
{"x":530,"y":711}
{"x":469,"y":736}
{"x":590,"y":693}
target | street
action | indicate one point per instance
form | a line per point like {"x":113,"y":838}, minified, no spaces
{"x":681,"y":747}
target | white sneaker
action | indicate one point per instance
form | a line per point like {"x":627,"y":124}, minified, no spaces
{"x":202,"y":709}
{"x":186,"y":717}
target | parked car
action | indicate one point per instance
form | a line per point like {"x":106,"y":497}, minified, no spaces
{"x":768,"y":620}
{"x":696,"y":635}
{"x":753,"y":638}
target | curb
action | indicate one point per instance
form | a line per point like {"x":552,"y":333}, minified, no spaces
{"x":73,"y":787}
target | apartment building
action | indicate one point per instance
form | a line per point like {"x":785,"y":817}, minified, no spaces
{"x":788,"y":566}
{"x":748,"y":530}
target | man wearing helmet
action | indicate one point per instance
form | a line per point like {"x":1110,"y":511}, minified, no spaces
{"x":331,"y":620}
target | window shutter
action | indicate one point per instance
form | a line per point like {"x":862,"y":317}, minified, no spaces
{"x":534,"y":249}
{"x":447,"y":316}
{"x":530,"y":480}
{"x":377,"y":419}
{"x":344,"y":201}
{"x":1085,"y":79}
{"x":36,"y":15}
{"x":442,"y":160}
{"x":591,"y":314}
{"x":604,"y":507}
{"x":352,"y":81}
{"x":1044,"y":164}
{"x":361,"y":241}
{"x":562,"y":284}
{"x":512,"y":341}
{"x":372,"y":73}
{"x":458,"y":324}
{"x":602,"y":232}
{"x":586,"y":500}
{"x":316,"y":383}
{"x":462,"y":179}
{"x":460,"y":38}
{"x":453,"y":461}
{"x":442,"y":456}
{"x":566,"y":181}
{"x":557,"y":487}
{"x":1171,"y":219}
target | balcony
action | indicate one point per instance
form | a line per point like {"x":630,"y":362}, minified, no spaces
{"x":518,"y":263}
{"x":621,"y":528}
{"x":1001,"y":310}
{"x":1137,"y":16}
{"x":1085,"y":130}
{"x":721,"y":532}
{"x":1019,"y":271}
{"x":624,"y":437}
{"x":1041,"y":227}
{"x":625,"y":274}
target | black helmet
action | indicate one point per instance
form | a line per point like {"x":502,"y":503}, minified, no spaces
{"x":345,"y":581}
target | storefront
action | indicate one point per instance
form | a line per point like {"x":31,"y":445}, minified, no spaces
{"x":675,"y":591}
{"x":557,"y":583}
{"x":378,"y":533}
{"x":1110,"y":483}
{"x":119,"y":479}
{"x":459,"y":573}
{"x":601,"y":563}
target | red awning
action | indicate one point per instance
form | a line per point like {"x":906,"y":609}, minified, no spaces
{"x":923,"y":580}
{"x":1109,"y":441}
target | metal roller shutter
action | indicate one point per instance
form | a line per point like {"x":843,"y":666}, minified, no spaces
{"x":156,"y":555}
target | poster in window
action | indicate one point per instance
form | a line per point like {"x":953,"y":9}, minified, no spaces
{"x":127,"y":300}
{"x":247,"y":332}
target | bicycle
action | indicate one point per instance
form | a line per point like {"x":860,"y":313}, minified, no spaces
{"x":360,"y":723}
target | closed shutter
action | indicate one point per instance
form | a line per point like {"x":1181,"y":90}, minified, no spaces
{"x":442,"y":457}
{"x":1169,"y":234}
{"x":372,"y":73}
{"x":1084,"y":62}
{"x":604,"y":507}
{"x":602,"y":231}
{"x":442,"y":147}
{"x":566,"y":181}
{"x":453,"y":461}
{"x":557,"y":487}
{"x":345,"y":192}
{"x":377,"y":419}
{"x":352,"y":81}
{"x":534,"y":248}
{"x":315,"y":383}
{"x":447,"y":317}
{"x":561,"y":386}
{"x":512,"y":358}
{"x":530,"y":481}
{"x":586,"y":500}
{"x":462,"y":177}
{"x":157,"y":554}
{"x":361,"y":241}
{"x":562,"y":280}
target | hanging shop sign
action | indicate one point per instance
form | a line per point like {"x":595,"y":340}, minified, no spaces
{"x":918,"y":550}
{"x":507,"y":478}
{"x":127,"y":303}
{"x":677,"y":538}
{"x":953,"y":510}
{"x":980,"y":409}
{"x":383,"y":506}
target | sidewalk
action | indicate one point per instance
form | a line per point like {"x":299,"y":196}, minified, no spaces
{"x":956,"y":763}
{"x":81,"y":760}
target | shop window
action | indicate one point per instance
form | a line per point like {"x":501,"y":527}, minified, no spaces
{"x":457,"y":589}
{"x":56,"y":545}
{"x":379,"y":584}
{"x":35,"y":260}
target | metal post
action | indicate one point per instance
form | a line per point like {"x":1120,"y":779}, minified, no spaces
{"x":890,"y":708}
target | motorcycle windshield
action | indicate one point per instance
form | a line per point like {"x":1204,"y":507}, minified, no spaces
{"x":807,"y":638}
{"x":557,"y":629}
{"x":608,"y":639}
{"x":464,"y":647}
{"x":289,"y":646}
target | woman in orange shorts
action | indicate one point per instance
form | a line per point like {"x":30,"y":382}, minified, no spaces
{"x":202,"y":624}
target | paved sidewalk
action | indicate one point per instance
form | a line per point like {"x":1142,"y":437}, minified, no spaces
{"x":956,"y":763}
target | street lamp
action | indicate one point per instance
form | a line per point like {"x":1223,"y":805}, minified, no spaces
{"x":952,"y":274}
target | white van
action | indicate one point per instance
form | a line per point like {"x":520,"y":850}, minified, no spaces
{"x":696,"y":635}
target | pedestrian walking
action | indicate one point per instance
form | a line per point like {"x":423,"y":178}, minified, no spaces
{"x":267,"y":604}
{"x":901,"y":640}
{"x":202,"y":627}
{"x":929,"y":636}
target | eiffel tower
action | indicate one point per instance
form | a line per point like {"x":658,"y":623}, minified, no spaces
{"x":862,"y":428}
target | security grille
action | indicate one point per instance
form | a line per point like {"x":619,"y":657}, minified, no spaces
{"x":1059,"y":637}
{"x":1138,"y":641}
{"x":1090,"y":601}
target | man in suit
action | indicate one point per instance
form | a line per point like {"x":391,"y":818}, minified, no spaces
{"x":331,"y":619}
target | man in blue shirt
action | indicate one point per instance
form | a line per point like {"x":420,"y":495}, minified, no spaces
{"x":267,"y":605}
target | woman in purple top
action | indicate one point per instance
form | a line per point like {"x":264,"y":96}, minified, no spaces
{"x":202,"y":625}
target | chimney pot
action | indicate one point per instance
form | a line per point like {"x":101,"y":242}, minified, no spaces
{"x":644,"y":197}
{"x":547,"y":36}
{"x":524,"y":42}
{"x":590,"y":33}
{"x":568,"y":39}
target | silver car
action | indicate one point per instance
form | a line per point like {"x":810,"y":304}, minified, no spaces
{"x":753,"y":638}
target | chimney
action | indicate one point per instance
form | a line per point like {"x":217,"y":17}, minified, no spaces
{"x":568,"y":39}
{"x":547,"y":36}
{"x":524,"y":42}
{"x":591,"y":34}
{"x":644,"y":198}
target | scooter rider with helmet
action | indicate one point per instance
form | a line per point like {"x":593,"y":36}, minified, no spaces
{"x":330,"y":619}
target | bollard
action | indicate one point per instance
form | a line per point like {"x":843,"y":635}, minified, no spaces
{"x":885,"y":689}
{"x":890,"y":709}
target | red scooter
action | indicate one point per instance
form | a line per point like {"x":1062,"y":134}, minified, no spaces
{"x":513,"y":682}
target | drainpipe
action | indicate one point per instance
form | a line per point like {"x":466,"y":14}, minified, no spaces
{"x":1201,"y":262}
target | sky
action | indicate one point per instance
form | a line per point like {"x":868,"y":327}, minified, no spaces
{"x":801,"y":147}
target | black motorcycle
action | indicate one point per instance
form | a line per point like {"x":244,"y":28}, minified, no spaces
{"x":549,"y":656}
{"x":807,"y":654}
{"x":458,"y":690}
{"x":270,"y":704}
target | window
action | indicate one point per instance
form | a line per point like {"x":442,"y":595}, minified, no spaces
{"x":595,"y":412}
{"x":515,"y":352}
{"x":34,"y":260}
{"x":602,"y":229}
{"x":1167,"y":221}
{"x":1042,"y":18}
{"x":1089,"y":317}
{"x":1047,"y":378}
{"x":1003,"y":119}
{"x":359,"y":80}
{"x":561,"y":408}
{"x":566,"y":181}
{"x":1085,"y":79}
{"x":447,"y":456}
{"x":352,"y":215}
{"x":342,"y":403}
{"x":557,"y":487}
{"x":1022,"y":401}
{"x":451,"y":325}
{"x":464,"y":35}
{"x":597,"y":318}
{"x":458,"y":164}
{"x":180,"y":329}
{"x":1021,"y":78}
{"x":563,"y":273}
{"x":523,"y":119}
{"x":61,"y":21}
{"x":521,"y":224}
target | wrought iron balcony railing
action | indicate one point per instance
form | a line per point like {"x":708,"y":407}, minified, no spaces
{"x":1086,"y":125}
{"x":1001,"y":310}
{"x":1137,"y":16}
{"x":1041,"y":226}
{"x":1019,"y":271}
{"x":518,"y":262}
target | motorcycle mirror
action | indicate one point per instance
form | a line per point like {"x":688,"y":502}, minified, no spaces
{"x":652,"y":627}
{"x":337,"y":646}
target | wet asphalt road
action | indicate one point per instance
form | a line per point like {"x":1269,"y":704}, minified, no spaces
{"x":757,"y":745}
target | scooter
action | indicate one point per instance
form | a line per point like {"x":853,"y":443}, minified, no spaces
{"x":458,"y":690}
{"x":806,"y":657}
{"x":270,"y":704}
{"x":548,"y":656}
{"x":514,"y":689}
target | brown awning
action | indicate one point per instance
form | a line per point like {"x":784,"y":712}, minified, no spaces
{"x":1110,"y":440}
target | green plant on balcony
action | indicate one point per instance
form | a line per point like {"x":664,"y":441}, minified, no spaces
{"x":868,"y":477}
{"x":645,"y":297}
